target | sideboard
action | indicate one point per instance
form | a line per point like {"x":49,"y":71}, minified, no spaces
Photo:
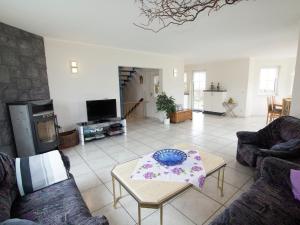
{"x":213,"y":101}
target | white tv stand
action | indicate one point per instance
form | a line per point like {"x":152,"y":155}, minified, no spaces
{"x":99,"y":129}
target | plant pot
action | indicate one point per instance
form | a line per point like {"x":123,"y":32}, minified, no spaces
{"x":167,"y":121}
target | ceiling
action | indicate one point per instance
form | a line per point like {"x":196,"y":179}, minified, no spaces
{"x":253,"y":28}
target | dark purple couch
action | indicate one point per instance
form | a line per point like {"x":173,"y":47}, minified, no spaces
{"x":269,"y":201}
{"x":58,"y":204}
{"x":254,"y":146}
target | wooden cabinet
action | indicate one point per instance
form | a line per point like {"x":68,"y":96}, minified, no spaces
{"x":213,"y":101}
{"x":181,"y":116}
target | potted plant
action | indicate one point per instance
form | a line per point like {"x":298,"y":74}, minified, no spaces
{"x":165,"y":104}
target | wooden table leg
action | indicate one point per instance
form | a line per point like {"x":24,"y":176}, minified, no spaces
{"x":139,"y":215}
{"x":221,"y":180}
{"x":114,"y":191}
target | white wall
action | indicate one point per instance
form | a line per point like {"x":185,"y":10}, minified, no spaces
{"x":257,"y":103}
{"x":232,"y":75}
{"x":295,"y":111}
{"x":98,"y":75}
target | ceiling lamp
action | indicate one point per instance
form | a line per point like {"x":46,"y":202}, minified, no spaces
{"x":163,"y":13}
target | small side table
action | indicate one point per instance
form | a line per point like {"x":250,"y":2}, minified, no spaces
{"x":229,"y":107}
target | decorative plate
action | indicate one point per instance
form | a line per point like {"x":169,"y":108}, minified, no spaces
{"x":170,"y":157}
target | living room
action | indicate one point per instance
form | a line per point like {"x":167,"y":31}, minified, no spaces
{"x":70,"y":154}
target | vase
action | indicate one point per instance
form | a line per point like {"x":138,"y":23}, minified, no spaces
{"x":167,"y":121}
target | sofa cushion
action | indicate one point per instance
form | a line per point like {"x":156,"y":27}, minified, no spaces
{"x":18,"y":222}
{"x":60,"y":203}
{"x":263,"y":204}
{"x":8,"y":186}
{"x":289,"y":145}
{"x":271,"y":134}
{"x":39,"y":171}
{"x":2,"y":172}
{"x":289,"y":128}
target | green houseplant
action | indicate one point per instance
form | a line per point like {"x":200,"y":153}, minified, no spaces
{"x":165,"y":104}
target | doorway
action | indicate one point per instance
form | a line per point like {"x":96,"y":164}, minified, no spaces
{"x":199,"y":85}
{"x":139,"y":88}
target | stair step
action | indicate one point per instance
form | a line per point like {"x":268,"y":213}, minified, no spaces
{"x":126,"y":72}
{"x":126,"y":68}
{"x":125,"y":78}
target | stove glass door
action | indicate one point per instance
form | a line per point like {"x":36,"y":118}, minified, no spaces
{"x":46,"y":131}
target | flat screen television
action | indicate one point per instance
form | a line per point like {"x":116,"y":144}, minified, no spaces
{"x":101,"y":109}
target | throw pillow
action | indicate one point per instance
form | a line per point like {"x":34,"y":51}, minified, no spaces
{"x":39,"y":171}
{"x":295,"y":180}
{"x":18,"y":222}
{"x":287,"y":146}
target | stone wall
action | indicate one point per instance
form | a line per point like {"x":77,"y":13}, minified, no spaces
{"x":23,"y":75}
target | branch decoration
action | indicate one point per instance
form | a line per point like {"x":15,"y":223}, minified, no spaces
{"x":160,"y":14}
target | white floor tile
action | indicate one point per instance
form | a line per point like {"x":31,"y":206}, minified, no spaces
{"x":210,"y":189}
{"x":171,"y":216}
{"x":234,"y":178}
{"x":132,"y":208}
{"x":124,"y":156}
{"x":104,"y":174}
{"x":100,"y":163}
{"x":196,"y":206}
{"x":80,"y":169}
{"x":115,"y":216}
{"x":97,"y":197}
{"x":87,"y":181}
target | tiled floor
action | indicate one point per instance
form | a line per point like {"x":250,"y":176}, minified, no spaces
{"x":91,"y":165}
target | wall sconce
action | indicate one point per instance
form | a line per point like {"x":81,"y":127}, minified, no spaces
{"x":74,"y":67}
{"x":175,"y":72}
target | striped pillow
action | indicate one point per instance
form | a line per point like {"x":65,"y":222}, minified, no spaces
{"x":39,"y":171}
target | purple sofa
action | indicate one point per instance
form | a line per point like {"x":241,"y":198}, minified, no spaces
{"x":253,"y":147}
{"x":269,"y":201}
{"x":58,"y":204}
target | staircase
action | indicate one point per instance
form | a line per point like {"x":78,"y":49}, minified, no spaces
{"x":126,"y":74}
{"x":129,"y":110}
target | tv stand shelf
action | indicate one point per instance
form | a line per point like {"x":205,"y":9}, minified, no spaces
{"x":99,"y":129}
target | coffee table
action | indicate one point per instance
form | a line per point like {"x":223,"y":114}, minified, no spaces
{"x":153,"y":194}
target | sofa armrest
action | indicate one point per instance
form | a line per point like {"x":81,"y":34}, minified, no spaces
{"x":247,"y":137}
{"x":66,"y":161}
{"x":277,"y":171}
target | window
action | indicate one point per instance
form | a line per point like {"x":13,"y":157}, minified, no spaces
{"x":199,"y":84}
{"x":268,"y":80}
{"x":186,"y":91}
{"x":292,"y":82}
{"x":186,"y":85}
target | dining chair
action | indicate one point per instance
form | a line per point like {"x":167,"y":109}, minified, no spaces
{"x":274,"y":110}
{"x":286,"y":107}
